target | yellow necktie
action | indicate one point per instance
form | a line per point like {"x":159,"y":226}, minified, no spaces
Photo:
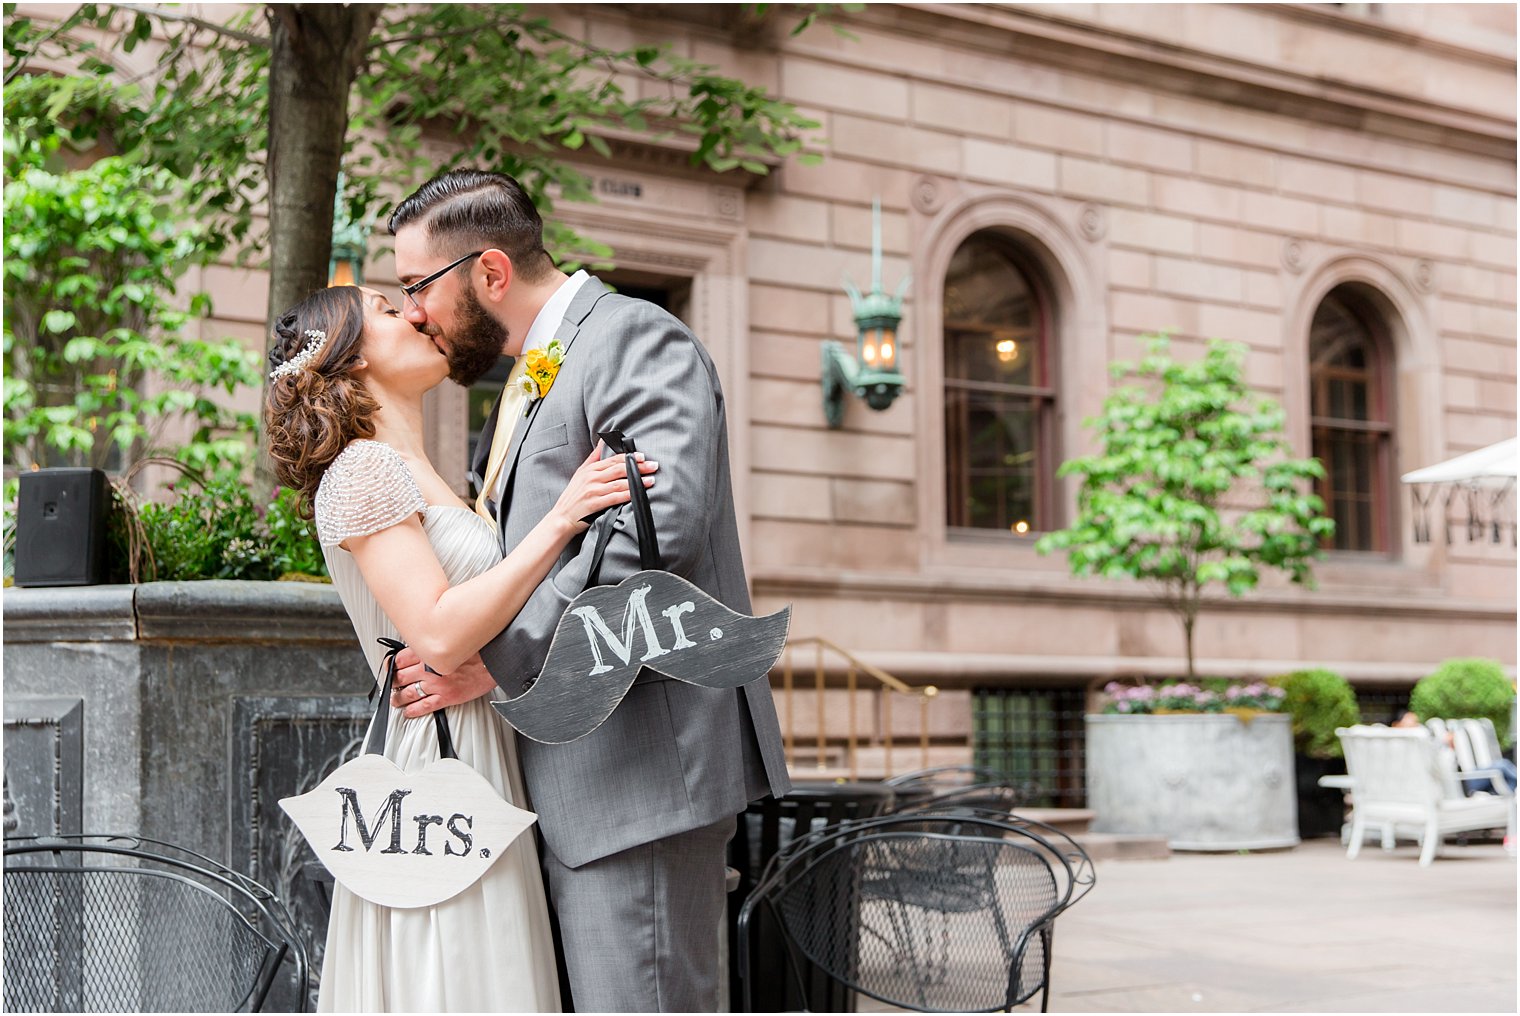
{"x":506,"y":424}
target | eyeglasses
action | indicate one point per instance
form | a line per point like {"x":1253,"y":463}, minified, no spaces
{"x":410,"y":292}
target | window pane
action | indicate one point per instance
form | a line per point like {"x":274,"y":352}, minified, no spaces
{"x":1344,"y":380}
{"x":1350,"y":488}
{"x":994,"y":339}
{"x":991,"y":319}
{"x":1337,"y":337}
{"x":1342,"y":352}
{"x":1337,"y":399}
{"x":996,"y":486}
{"x":1357,"y":408}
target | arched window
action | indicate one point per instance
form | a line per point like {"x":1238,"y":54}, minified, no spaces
{"x":1351,"y":420}
{"x":999,"y":391}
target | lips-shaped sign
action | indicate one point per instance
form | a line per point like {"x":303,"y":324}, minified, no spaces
{"x":651,"y":619}
{"x":406,"y":839}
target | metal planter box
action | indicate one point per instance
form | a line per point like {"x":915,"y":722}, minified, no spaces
{"x":1204,"y":781}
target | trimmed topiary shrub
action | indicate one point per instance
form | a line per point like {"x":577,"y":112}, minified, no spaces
{"x":1466,"y":688}
{"x":1319,"y":701}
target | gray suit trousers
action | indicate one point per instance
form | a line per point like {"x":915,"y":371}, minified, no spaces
{"x":640,"y":927}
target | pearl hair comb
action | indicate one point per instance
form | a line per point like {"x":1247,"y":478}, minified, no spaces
{"x":315,"y":340}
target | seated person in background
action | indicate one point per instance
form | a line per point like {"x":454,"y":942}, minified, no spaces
{"x":1505,"y":767}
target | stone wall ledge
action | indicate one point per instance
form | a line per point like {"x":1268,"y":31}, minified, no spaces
{"x":218,"y":610}
{"x":975,"y":670}
{"x":1056,"y":588}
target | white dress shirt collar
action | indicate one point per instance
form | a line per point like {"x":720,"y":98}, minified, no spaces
{"x":547,"y":323}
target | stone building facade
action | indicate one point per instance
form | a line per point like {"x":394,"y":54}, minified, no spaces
{"x":1331,"y":185}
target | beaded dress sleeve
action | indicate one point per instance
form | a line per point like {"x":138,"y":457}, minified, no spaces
{"x":366,"y":489}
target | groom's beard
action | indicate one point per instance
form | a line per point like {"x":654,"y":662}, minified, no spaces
{"x":476,"y":342}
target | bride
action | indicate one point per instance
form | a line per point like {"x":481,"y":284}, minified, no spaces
{"x":343,"y":421}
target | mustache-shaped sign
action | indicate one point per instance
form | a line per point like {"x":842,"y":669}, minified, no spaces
{"x":406,"y":839}
{"x":651,"y":619}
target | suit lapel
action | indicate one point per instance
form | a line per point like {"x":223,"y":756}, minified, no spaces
{"x":590,"y":292}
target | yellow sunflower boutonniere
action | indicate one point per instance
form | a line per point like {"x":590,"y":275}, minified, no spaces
{"x":538,"y":377}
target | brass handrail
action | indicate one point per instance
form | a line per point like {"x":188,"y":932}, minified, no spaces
{"x":854,"y":664}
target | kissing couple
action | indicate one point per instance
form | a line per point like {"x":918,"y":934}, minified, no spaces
{"x":634,"y":818}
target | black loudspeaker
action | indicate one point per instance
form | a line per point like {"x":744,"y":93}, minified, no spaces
{"x":61,"y":527}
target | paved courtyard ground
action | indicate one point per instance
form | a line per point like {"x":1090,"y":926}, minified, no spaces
{"x":1302,"y":930}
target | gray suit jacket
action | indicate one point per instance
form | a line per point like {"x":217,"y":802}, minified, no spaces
{"x":672,"y":757}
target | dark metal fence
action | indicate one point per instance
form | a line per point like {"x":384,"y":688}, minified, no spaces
{"x":1034,"y":737}
{"x":1382,"y":705}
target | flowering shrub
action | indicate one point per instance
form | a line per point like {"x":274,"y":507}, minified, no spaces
{"x":1216,"y":695}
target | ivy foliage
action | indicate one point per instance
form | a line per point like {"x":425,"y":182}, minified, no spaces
{"x":500,"y":86}
{"x":151,"y":156}
{"x":99,"y":359}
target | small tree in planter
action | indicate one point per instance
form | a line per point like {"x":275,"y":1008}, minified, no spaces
{"x":1152,"y":503}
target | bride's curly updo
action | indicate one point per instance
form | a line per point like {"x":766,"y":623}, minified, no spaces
{"x":312,"y":413}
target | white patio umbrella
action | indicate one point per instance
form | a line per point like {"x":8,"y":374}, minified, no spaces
{"x":1484,"y":480}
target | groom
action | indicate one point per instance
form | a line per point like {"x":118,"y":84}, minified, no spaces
{"x":636,"y":815}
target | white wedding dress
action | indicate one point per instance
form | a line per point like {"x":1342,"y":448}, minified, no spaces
{"x":490,"y":948}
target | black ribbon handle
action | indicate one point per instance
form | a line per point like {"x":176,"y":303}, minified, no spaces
{"x":375,"y":743}
{"x":643,"y":518}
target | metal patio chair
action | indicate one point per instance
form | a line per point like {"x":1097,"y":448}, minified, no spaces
{"x":924,"y":911}
{"x":945,"y":777}
{"x":127,"y":924}
{"x":770,"y":827}
{"x":971,"y":787}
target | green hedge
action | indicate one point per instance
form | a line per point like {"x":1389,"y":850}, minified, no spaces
{"x":1464,"y":688}
{"x":1319,"y":701}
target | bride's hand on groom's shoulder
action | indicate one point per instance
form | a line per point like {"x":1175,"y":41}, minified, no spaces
{"x":419,"y":691}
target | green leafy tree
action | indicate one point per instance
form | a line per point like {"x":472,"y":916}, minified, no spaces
{"x":97,"y":359}
{"x":1153,"y":503}
{"x":254,"y":112}
{"x":262,"y":107}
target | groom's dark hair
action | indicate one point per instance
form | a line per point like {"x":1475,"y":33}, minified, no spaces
{"x":470,"y":208}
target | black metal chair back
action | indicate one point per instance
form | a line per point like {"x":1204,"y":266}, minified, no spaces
{"x":768,"y":828}
{"x":945,"y":777}
{"x":970,"y":787}
{"x":930,"y":912}
{"x":125,"y":924}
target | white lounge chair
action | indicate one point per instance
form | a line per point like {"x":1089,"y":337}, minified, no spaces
{"x":1399,"y":786}
{"x":1477,"y":748}
{"x":1483,"y":740}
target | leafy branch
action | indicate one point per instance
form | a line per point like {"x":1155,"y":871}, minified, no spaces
{"x":1154,"y":503}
